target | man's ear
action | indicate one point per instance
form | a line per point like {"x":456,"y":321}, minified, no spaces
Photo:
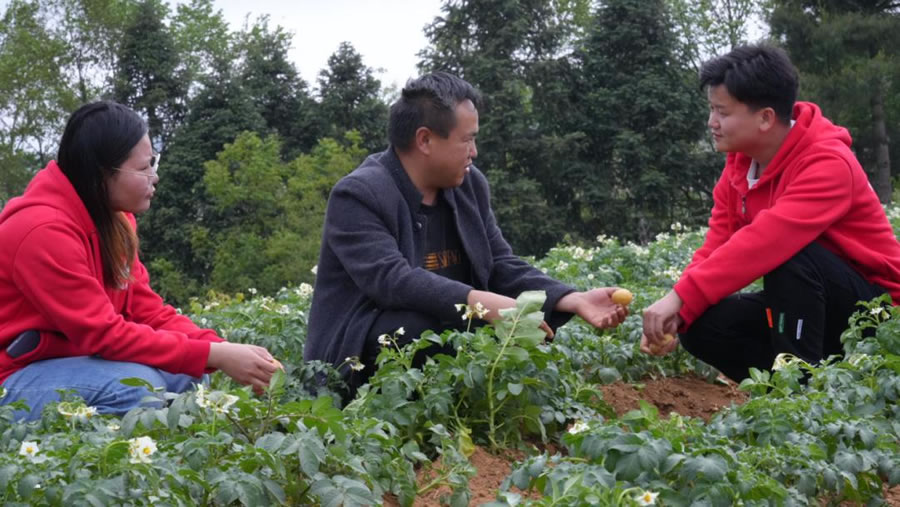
{"x":767,"y":119}
{"x":424,"y":137}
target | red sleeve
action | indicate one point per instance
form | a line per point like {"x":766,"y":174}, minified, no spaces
{"x":145,"y":306}
{"x":817,"y":197}
{"x":52,"y":270}
{"x":719,"y":226}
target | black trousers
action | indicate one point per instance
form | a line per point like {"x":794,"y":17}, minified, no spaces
{"x":803,"y":309}
{"x":414,"y":324}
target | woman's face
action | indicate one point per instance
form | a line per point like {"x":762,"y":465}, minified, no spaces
{"x":132,"y":184}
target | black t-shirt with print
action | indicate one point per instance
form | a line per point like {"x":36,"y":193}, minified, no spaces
{"x":444,"y":253}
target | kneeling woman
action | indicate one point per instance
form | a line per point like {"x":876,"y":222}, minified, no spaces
{"x":76,"y":308}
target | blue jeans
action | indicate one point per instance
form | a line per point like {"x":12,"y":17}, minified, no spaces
{"x":94,"y":379}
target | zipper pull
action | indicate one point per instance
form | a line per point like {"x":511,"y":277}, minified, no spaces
{"x":744,"y":205}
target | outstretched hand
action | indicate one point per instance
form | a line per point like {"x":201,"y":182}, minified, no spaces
{"x":595,"y":307}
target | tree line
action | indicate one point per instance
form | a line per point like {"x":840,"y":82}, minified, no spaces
{"x":592,"y":121}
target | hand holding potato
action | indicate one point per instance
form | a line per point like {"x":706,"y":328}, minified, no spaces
{"x":595,"y":306}
{"x":668,"y":344}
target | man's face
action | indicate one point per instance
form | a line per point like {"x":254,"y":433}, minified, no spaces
{"x":451,"y":157}
{"x":734,"y":126}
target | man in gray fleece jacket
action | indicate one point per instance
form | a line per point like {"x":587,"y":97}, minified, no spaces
{"x":410,"y":234}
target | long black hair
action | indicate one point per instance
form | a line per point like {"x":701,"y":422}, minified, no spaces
{"x":98,"y":138}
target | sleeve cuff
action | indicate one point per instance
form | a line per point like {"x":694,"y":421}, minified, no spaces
{"x":196,"y":356}
{"x":693,"y":302}
{"x":554,"y":318}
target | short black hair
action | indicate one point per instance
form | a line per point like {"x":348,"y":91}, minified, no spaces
{"x":428,"y":101}
{"x":757,"y":75}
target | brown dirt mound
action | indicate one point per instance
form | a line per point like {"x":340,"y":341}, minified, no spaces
{"x":892,"y":496}
{"x":491,"y":471}
{"x":688,"y":396}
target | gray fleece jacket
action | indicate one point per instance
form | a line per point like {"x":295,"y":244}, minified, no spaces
{"x":372,"y":254}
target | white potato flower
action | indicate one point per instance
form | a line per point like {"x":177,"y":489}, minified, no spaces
{"x":140,"y":449}
{"x":578,"y":427}
{"x":646,"y":498}
{"x":28,"y":449}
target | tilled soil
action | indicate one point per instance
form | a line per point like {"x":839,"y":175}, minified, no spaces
{"x":688,"y":396}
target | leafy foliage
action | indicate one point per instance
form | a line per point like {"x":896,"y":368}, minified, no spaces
{"x":847,"y":52}
{"x":833,"y":436}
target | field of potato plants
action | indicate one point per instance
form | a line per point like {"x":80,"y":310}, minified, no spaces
{"x":411,"y":437}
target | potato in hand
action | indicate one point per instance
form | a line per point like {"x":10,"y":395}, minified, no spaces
{"x":622,"y":297}
{"x":655,"y":349}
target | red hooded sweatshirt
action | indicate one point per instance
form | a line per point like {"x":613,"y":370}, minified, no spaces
{"x":813,"y":190}
{"x":51,"y":280}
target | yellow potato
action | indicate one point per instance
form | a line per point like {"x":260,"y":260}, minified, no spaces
{"x":622,"y":297}
{"x":277,"y":363}
{"x":656,"y":349}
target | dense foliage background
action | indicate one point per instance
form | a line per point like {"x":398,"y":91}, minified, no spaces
{"x":592,"y":124}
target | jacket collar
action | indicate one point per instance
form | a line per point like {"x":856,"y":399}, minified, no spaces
{"x":411,"y":194}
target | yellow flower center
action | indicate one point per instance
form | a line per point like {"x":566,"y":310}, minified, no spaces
{"x":29,"y":450}
{"x":147,"y":450}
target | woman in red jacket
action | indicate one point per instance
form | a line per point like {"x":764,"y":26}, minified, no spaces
{"x":76,"y":308}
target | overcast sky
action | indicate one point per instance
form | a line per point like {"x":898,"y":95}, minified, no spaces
{"x":388,"y":33}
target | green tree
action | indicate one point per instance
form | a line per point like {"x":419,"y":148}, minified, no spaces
{"x":221,"y":110}
{"x":847,"y":53}
{"x":506,"y":49}
{"x":277,"y":209}
{"x":34,"y":94}
{"x":147,"y":72}
{"x":708,"y":28}
{"x":350,"y":99}
{"x":203,"y":41}
{"x":255,"y":89}
{"x":281,"y":96}
{"x":92,"y":31}
{"x":643,"y":166}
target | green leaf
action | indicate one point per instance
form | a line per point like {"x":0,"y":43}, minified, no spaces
{"x":326,"y":492}
{"x":311,"y":454}
{"x":7,"y":472}
{"x":27,"y":485}
{"x":848,"y":462}
{"x":531,"y":301}
{"x":518,"y":354}
{"x":275,"y":490}
{"x":276,"y":383}
{"x":138,"y":382}
{"x":515,"y":389}
{"x":270,"y":442}
{"x":709,"y":468}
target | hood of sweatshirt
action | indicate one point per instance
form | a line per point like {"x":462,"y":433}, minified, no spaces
{"x":810,"y":133}
{"x":50,"y":188}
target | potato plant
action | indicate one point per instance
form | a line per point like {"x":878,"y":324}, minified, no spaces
{"x":808,"y":435}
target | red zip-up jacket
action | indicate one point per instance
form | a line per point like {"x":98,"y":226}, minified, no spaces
{"x":813,"y":190}
{"x":51,"y":280}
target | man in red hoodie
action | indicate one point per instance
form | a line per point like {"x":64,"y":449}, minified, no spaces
{"x":792,"y":206}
